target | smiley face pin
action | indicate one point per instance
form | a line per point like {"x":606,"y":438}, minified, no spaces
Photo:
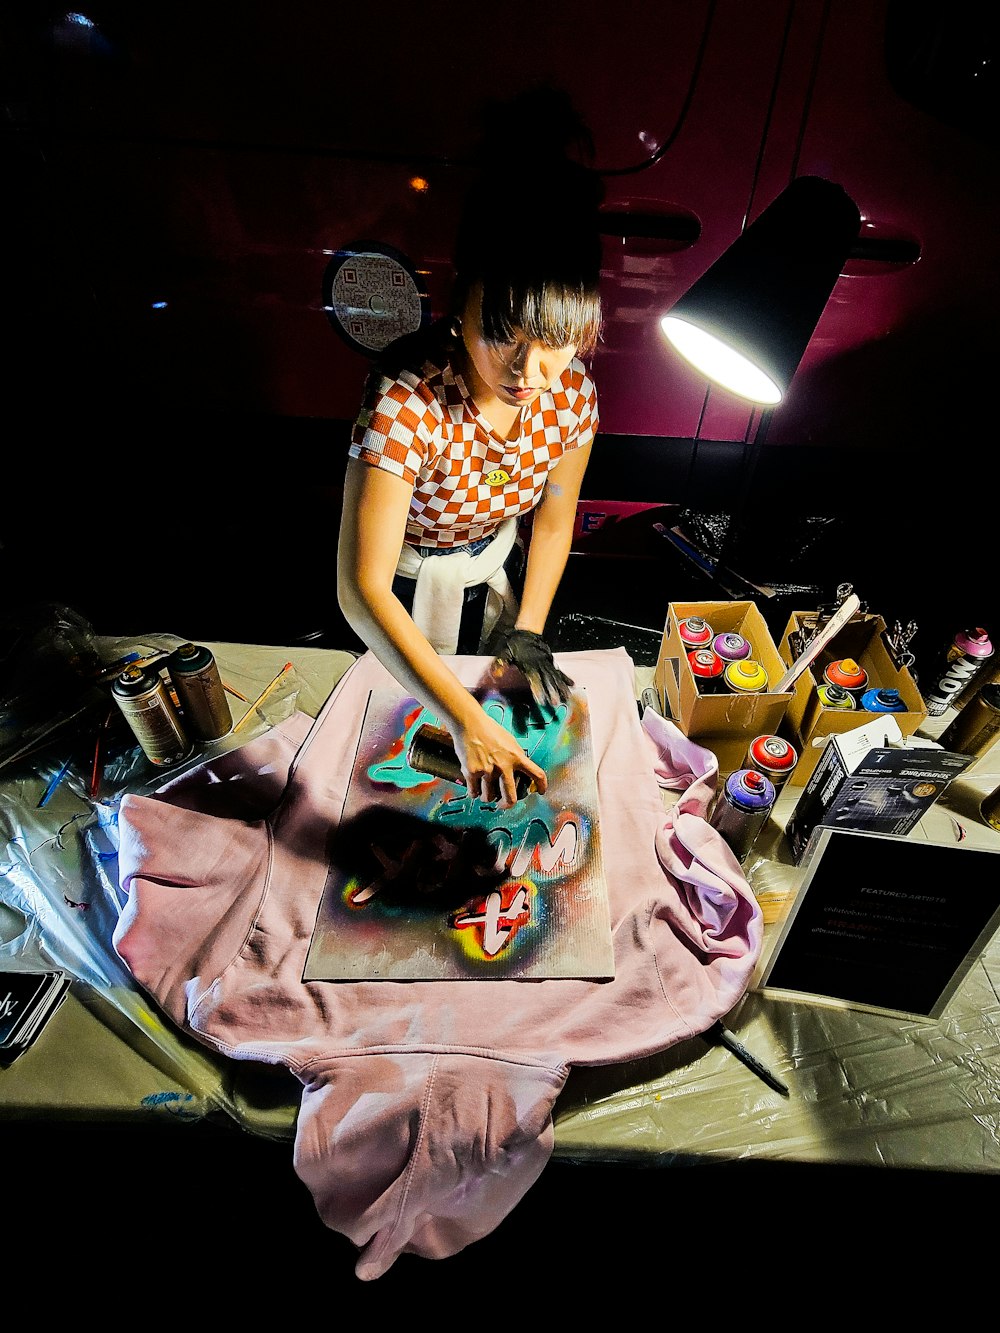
{"x":498,"y":477}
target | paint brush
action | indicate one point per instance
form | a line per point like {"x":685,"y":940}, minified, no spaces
{"x":47,"y":794}
{"x":131,"y":660}
{"x":97,"y":767}
{"x":262,"y":696}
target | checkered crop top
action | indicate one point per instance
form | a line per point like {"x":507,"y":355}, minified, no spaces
{"x":466,"y":479}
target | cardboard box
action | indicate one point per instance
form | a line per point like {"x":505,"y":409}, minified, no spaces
{"x":872,"y":779}
{"x":723,"y":723}
{"x":807,"y":721}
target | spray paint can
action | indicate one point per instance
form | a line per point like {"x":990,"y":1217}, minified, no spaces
{"x":200,"y":692}
{"x":976,"y":728}
{"x":989,"y":808}
{"x":732,"y":647}
{"x":746,"y":677}
{"x":148,"y":709}
{"x":695,"y":632}
{"x":772,"y":756}
{"x":848,"y":674}
{"x":835,"y":696}
{"x":882,"y":700}
{"x":707,"y":668}
{"x":969,"y":651}
{"x":986,"y":675}
{"x":650,"y":698}
{"x":432,"y":750}
{"x":741,"y":808}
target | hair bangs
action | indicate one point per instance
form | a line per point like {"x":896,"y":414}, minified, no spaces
{"x":555,"y":314}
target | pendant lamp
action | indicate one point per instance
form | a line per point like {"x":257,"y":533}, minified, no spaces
{"x":747,"y":321}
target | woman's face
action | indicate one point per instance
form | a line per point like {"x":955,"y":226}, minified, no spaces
{"x":513,"y":373}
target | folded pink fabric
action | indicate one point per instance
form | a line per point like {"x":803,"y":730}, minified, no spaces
{"x":426,"y":1109}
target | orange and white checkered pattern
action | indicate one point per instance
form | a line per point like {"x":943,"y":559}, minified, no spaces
{"x":426,"y":429}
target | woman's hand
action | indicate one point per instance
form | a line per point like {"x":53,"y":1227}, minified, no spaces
{"x":532,"y":656}
{"x":491,"y":760}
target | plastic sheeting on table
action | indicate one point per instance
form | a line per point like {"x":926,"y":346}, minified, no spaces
{"x":864,"y":1089}
{"x":59,"y":892}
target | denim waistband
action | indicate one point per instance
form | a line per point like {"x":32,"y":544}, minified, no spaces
{"x":470,"y":548}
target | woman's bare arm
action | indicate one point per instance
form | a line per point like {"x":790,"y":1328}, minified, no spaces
{"x":551,"y":538}
{"x":372,"y":528}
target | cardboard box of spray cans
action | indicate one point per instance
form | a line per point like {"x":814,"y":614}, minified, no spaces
{"x":721,"y":721}
{"x":809,"y":721}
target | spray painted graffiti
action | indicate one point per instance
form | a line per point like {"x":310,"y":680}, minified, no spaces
{"x":429,"y":882}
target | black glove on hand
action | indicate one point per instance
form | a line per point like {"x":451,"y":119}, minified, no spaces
{"x":532,"y":656}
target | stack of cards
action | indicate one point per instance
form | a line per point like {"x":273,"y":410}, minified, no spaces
{"x":27,"y":1001}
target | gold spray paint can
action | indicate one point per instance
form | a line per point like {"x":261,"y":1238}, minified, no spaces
{"x":200,"y":692}
{"x":976,"y":728}
{"x":432,"y":750}
{"x":148,"y":709}
{"x":990,"y":809}
{"x":986,"y":676}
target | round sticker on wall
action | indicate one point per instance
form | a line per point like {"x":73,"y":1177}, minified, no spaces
{"x":372,"y":294}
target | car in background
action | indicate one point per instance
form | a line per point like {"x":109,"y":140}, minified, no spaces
{"x":221,"y":213}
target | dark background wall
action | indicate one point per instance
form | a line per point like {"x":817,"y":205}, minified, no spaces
{"x":227,"y":531}
{"x":178,"y":404}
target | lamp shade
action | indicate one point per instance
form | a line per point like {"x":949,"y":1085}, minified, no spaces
{"x":747,"y":321}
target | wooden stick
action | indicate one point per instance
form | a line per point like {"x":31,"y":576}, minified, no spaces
{"x":262,"y":696}
{"x":836,"y":622}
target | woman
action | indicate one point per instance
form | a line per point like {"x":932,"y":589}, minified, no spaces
{"x":487,"y":417}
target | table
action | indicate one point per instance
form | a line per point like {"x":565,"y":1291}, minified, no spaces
{"x":865,"y":1089}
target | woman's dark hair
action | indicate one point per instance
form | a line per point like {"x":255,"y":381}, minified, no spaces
{"x":537,"y":251}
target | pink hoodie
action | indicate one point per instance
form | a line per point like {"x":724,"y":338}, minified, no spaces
{"x":426,"y":1111}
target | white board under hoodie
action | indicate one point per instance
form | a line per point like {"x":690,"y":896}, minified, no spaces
{"x":426,"y":1109}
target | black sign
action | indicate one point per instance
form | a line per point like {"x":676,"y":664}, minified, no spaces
{"x":884,"y":922}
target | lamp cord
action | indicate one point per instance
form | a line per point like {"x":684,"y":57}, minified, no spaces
{"x":769,"y":114}
{"x":813,"y":75}
{"x":686,"y":106}
{"x":750,"y":460}
{"x":811,"y":88}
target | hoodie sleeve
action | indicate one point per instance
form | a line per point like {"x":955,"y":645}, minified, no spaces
{"x":192,"y":883}
{"x":193,"y":864}
{"x":714,"y":909}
